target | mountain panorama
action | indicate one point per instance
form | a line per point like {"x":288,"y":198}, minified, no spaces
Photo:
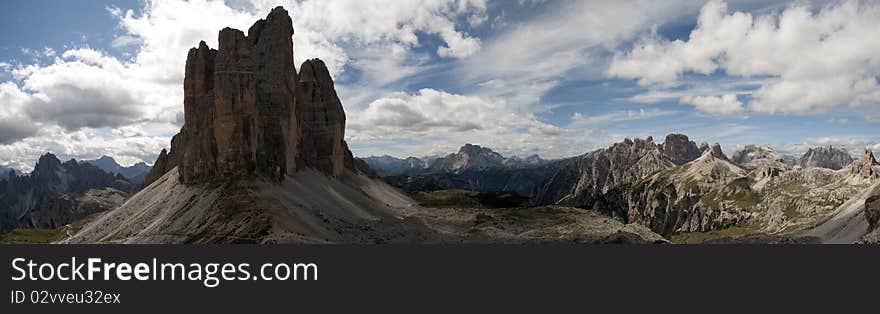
{"x":262,"y":158}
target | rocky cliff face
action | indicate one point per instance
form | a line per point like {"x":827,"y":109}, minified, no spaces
{"x":247,"y":113}
{"x":322,"y":120}
{"x":582,"y":180}
{"x":679,"y":149}
{"x":754,"y":155}
{"x":705,"y":194}
{"x":826,"y":157}
{"x":48,"y":196}
{"x":134,"y":173}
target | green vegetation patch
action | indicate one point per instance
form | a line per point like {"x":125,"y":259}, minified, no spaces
{"x":41,"y":236}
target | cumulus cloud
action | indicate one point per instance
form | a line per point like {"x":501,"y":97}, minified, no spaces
{"x":627,"y":115}
{"x":818,"y":61}
{"x":430,"y":111}
{"x":432,"y":121}
{"x":717,"y":105}
{"x":95,"y":100}
{"x":14,"y":123}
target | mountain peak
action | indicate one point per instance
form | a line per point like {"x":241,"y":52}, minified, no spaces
{"x":714,"y":151}
{"x":826,"y":157}
{"x":868,"y":157}
{"x":679,"y":148}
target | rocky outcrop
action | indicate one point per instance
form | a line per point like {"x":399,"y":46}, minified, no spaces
{"x":584,"y":179}
{"x":48,"y":196}
{"x":238,"y":103}
{"x":679,"y":149}
{"x":826,"y":157}
{"x":167,"y":160}
{"x":248,"y":114}
{"x":753,"y":155}
{"x":134,"y":173}
{"x":322,"y":120}
{"x":472,"y":158}
{"x":872,"y":211}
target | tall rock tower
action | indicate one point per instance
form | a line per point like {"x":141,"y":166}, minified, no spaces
{"x":248,"y":113}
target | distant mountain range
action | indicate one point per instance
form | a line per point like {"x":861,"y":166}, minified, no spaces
{"x":4,"y":172}
{"x":57,"y":193}
{"x":134,"y":173}
{"x":472,"y":168}
{"x":822,"y":197}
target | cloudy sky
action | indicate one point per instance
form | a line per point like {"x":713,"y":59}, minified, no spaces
{"x":83,"y":79}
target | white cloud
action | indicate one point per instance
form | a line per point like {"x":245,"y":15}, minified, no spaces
{"x":139,"y":98}
{"x":441,"y":122}
{"x":433,"y":112}
{"x":14,"y":123}
{"x":717,"y":105}
{"x":818,"y":62}
{"x":579,"y":119}
{"x":569,"y":41}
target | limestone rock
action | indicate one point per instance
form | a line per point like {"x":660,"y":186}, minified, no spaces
{"x":166,"y":161}
{"x":322,"y":120}
{"x":679,"y":149}
{"x":582,"y":180}
{"x":247,"y":113}
{"x":238,"y":104}
{"x":826,"y":157}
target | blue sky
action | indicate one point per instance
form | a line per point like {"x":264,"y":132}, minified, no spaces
{"x":557,"y":78}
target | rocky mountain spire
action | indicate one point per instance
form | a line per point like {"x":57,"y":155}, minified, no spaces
{"x":826,"y":157}
{"x":322,"y":120}
{"x":246,"y":114}
{"x":866,"y":166}
{"x":680,"y":149}
{"x":715,"y":151}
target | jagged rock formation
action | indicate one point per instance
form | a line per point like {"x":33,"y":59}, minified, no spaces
{"x":679,"y":149}
{"x":581,"y":181}
{"x":866,"y":168}
{"x":469,"y":157}
{"x":134,"y":173}
{"x":167,"y":160}
{"x":260,"y":158}
{"x":5,"y":172}
{"x":690,"y":197}
{"x":247,"y":113}
{"x":754,"y":155}
{"x":56,"y":193}
{"x":826,"y":157}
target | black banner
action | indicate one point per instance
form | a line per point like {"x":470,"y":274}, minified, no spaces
{"x":413,"y":279}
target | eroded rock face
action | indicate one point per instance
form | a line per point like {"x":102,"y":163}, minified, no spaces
{"x":247,"y":113}
{"x":238,"y":103}
{"x":826,"y":157}
{"x":583,"y":179}
{"x":323,"y":120}
{"x":48,"y":196}
{"x":872,"y":211}
{"x":866,"y":166}
{"x":679,"y":149}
